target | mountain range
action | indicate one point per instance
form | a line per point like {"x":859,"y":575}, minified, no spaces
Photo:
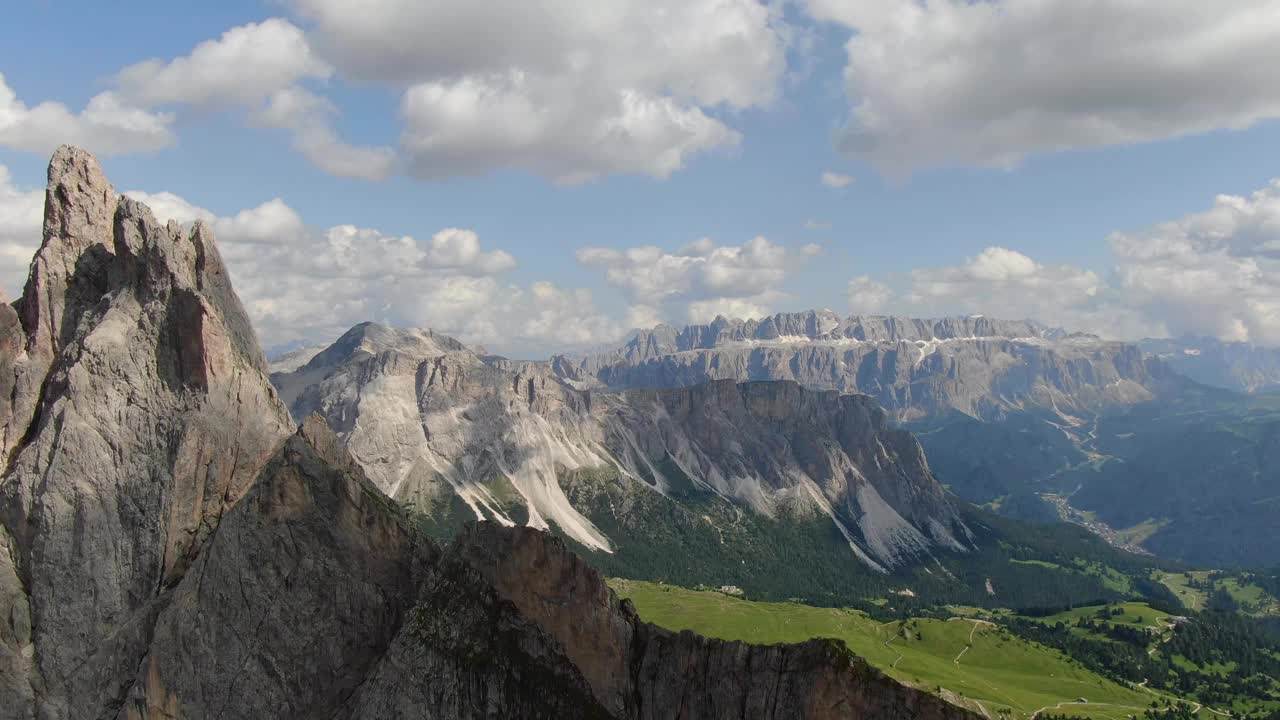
{"x":398,"y":526}
{"x":430,"y":420}
{"x":174,"y":545}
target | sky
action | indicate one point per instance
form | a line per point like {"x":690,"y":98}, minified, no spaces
{"x":537,"y":176}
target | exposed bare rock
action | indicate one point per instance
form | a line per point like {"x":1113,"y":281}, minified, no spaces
{"x":771,"y":445}
{"x":429,"y":420}
{"x":141,"y":414}
{"x":169,"y":550}
{"x":293,"y":599}
{"x":915,"y":368}
{"x":574,"y":637}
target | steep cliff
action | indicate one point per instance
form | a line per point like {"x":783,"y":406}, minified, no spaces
{"x":556,"y":625}
{"x":914,"y":368}
{"x":430,"y":421}
{"x":169,"y":550}
{"x":141,"y":412}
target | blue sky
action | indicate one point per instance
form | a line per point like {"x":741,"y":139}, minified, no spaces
{"x":920,"y":199}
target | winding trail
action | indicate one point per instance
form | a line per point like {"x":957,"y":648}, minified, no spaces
{"x":976,"y":622}
{"x":1196,"y":707}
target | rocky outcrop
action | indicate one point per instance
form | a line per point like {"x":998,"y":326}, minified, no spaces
{"x":169,"y":550}
{"x":430,"y":420}
{"x":141,"y":412}
{"x":597,"y":647}
{"x":776,"y":446}
{"x":914,"y":368}
{"x":292,"y":601}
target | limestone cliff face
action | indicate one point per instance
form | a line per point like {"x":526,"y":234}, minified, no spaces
{"x":429,"y":419}
{"x":140,"y":413}
{"x":293,"y":599}
{"x":775,"y":446}
{"x":914,"y":368}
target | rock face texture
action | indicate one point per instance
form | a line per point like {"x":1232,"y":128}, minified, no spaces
{"x":170,"y":547}
{"x":914,"y":368}
{"x":141,"y":411}
{"x":567,"y":631}
{"x":294,"y":598}
{"x":429,"y":420}
{"x":1238,"y":366}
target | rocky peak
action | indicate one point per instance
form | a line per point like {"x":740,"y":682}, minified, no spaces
{"x":979,"y":366}
{"x":80,"y":207}
{"x":368,"y":339}
{"x":141,"y":412}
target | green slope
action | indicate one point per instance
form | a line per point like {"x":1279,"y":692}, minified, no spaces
{"x":971,"y":662}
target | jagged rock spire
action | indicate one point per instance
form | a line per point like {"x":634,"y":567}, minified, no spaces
{"x":140,"y":412}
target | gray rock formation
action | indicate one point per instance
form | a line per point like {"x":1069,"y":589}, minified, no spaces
{"x":914,"y":368}
{"x":428,"y":419}
{"x":169,"y":550}
{"x":562,"y":632}
{"x":1238,"y":366}
{"x":293,"y":359}
{"x":141,"y":412}
{"x":292,"y":601}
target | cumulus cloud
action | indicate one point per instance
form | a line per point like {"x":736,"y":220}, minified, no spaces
{"x":310,"y":119}
{"x":701,"y":279}
{"x":867,"y":296}
{"x":107,"y":125}
{"x":259,"y":68}
{"x":1215,"y":272}
{"x":21,"y":215}
{"x":955,"y":82}
{"x":242,"y":67}
{"x":1005,"y":282}
{"x":835,"y":180}
{"x":567,"y":90}
{"x":301,"y":283}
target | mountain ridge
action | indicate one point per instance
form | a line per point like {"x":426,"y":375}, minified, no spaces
{"x":915,"y":368}
{"x":417,"y":414}
{"x":171,"y":545}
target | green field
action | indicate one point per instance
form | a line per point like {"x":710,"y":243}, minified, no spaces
{"x":1134,"y":614}
{"x":1251,"y":597}
{"x":969,"y":661}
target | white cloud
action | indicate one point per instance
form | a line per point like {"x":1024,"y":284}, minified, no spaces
{"x":460,"y":249}
{"x":704,"y":311}
{"x":21,"y":216}
{"x":1215,"y":272}
{"x":955,"y":82}
{"x":812,"y":224}
{"x":868,"y":297}
{"x":299,"y":283}
{"x":699,"y":280}
{"x":243,"y":67}
{"x":476,"y":125}
{"x":561,"y":89}
{"x":567,"y":90}
{"x":309,"y":117}
{"x":257,"y":68}
{"x":1007,"y":283}
{"x":835,"y":180}
{"x":106,"y":126}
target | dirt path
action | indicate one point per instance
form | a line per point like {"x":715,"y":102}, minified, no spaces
{"x":1196,"y":707}
{"x":976,"y":622}
{"x":886,"y":644}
